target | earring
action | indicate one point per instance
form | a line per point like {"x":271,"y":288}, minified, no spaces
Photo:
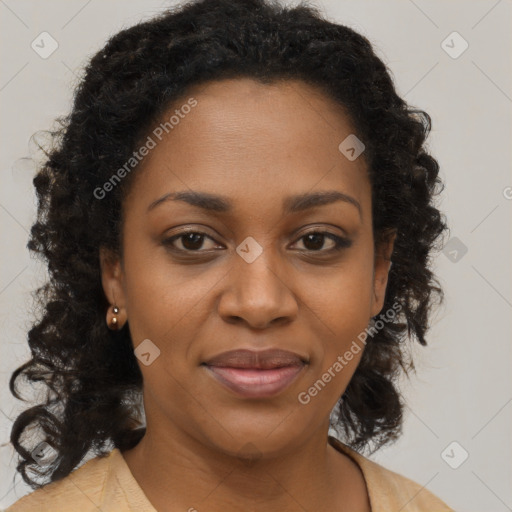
{"x":112,"y":322}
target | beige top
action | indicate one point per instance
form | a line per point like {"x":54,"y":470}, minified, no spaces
{"x":106,"y":484}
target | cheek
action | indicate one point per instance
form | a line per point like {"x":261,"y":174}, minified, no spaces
{"x":344,"y":295}
{"x":343,"y":306}
{"x":159,"y":293}
{"x":340,"y":346}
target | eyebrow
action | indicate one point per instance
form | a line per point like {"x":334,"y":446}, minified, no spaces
{"x":291,"y":204}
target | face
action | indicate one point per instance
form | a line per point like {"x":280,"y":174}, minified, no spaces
{"x":265,"y":264}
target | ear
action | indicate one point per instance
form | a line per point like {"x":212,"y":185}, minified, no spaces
{"x":112,"y":280}
{"x":382,"y":264}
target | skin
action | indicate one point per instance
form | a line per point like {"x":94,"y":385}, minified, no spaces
{"x":255,"y":144}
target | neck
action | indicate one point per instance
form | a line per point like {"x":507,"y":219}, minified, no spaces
{"x":174,"y":468}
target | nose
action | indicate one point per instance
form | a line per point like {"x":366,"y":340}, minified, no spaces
{"x":258,"y":293}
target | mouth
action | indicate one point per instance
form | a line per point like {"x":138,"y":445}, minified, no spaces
{"x":253,"y":374}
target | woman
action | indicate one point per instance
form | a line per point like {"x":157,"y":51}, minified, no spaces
{"x":238,"y":216}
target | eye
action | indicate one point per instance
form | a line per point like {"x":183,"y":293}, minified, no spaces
{"x":190,"y":241}
{"x":314,"y":241}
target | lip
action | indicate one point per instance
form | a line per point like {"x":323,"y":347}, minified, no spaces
{"x":256,"y":374}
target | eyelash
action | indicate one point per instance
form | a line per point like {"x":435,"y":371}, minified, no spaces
{"x":340,"y":242}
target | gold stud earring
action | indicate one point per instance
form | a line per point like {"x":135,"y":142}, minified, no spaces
{"x":113,"y":323}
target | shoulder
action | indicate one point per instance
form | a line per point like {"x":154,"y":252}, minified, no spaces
{"x":390,"y":491}
{"x":82,"y":489}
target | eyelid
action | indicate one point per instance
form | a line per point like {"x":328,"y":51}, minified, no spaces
{"x":168,"y":241}
{"x":341,"y":241}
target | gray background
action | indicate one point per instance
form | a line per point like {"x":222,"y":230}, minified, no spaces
{"x":462,"y":390}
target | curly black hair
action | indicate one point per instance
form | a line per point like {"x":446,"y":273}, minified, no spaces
{"x":92,"y":380}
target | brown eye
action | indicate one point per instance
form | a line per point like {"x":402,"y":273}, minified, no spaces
{"x":315,"y":240}
{"x":191,"y":241}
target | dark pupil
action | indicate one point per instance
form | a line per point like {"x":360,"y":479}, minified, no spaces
{"x":316,"y":238}
{"x":192,"y":241}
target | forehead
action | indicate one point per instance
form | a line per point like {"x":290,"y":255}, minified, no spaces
{"x":251,"y":140}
